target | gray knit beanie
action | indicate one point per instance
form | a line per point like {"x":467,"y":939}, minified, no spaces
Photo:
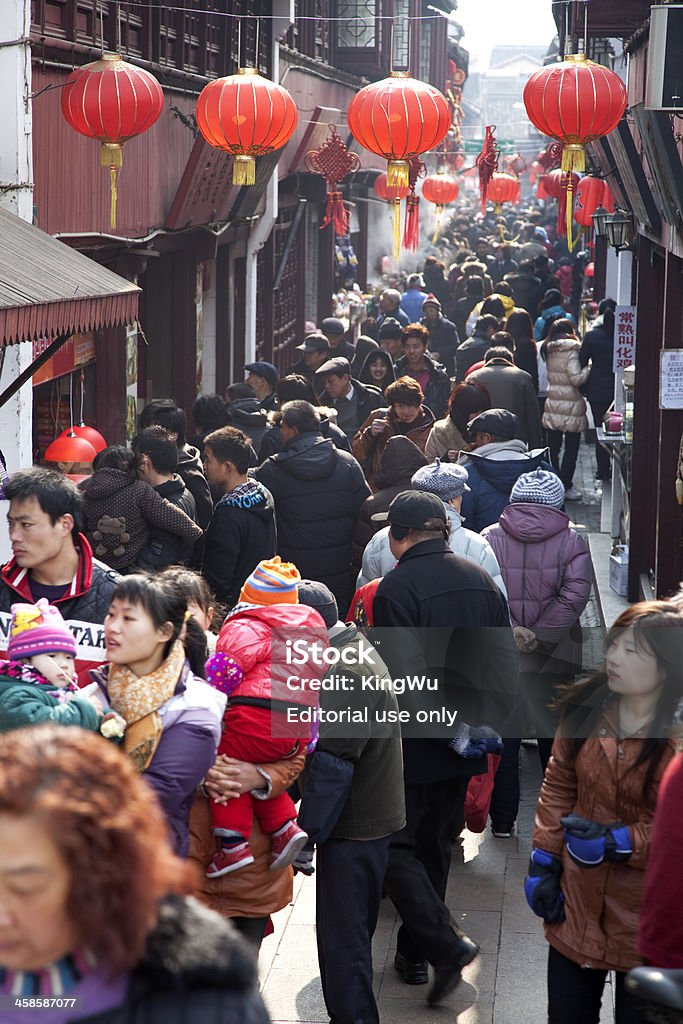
{"x":541,"y":487}
{"x":445,"y":479}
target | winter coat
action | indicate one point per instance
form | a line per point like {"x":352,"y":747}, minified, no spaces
{"x":368,"y":447}
{"x":399,"y":460}
{"x":547,"y":314}
{"x":432,"y":586}
{"x":492,"y":472}
{"x":598,"y":348}
{"x":444,"y":339}
{"x":437,"y":284}
{"x":241,"y":533}
{"x":367,"y":397}
{"x":438,"y":388}
{"x":411,"y":304}
{"x":501,"y":268}
{"x":119,"y":513}
{"x":470,"y":352}
{"x":189,"y":469}
{"x":196,"y":969}
{"x":527,"y":290}
{"x":249,"y":416}
{"x":548,"y":573}
{"x":31,"y":703}
{"x":364,"y":375}
{"x":565,"y":406}
{"x":526,"y":358}
{"x":461,"y":311}
{"x":602,"y":784}
{"x":512,"y":389}
{"x":273,"y":441}
{"x":255,"y":890}
{"x":318,"y":492}
{"x":444,"y":437}
{"x":660,"y":938}
{"x":378,"y":559}
{"x":191,"y":729}
{"x":365,"y":347}
{"x":83,"y":607}
{"x":163,"y":548}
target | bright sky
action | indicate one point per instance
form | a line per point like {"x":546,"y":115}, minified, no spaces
{"x":489,"y":23}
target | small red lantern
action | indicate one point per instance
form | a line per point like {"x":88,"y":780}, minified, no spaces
{"x":88,"y":434}
{"x":246,"y":115}
{"x":111,"y":101}
{"x":503,"y":188}
{"x":392,"y":194}
{"x":589,"y":195}
{"x":69,"y":447}
{"x":441,"y":190}
{"x":562,"y":186}
{"x":399,"y":118}
{"x":575,"y":102}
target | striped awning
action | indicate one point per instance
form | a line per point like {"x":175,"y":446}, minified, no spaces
{"x":48,"y":289}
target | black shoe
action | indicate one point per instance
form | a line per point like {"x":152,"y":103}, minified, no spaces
{"x":447,"y":976}
{"x":503,"y":829}
{"x":411,"y":972}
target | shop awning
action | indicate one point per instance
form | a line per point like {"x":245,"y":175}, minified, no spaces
{"x":48,"y":290}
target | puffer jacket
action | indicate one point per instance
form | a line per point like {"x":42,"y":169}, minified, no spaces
{"x":547,"y":314}
{"x":603,"y":784}
{"x":492,"y":472}
{"x":444,"y":437}
{"x":378,"y":559}
{"x":565,"y":406}
{"x":547,"y":569}
{"x":399,"y":460}
{"x":83,"y":607}
{"x":368,"y":447}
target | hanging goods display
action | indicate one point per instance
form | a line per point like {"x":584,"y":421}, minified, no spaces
{"x":111,"y":101}
{"x":441,"y":190}
{"x":399,"y":118}
{"x":333,"y":161}
{"x":248,"y":116}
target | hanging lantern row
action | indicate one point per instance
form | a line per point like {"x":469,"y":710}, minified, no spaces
{"x":588,"y":194}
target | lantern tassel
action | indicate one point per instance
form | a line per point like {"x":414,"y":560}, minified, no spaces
{"x":113,"y":186}
{"x":398,"y":174}
{"x":573,"y":159}
{"x":244,"y":170}
{"x":336,"y":214}
{"x":396,"y":228}
{"x":111,"y":156}
{"x":411,"y":230}
{"x":569,"y":203}
{"x":437,"y":229}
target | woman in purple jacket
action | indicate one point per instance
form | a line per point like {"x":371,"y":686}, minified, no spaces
{"x":546,"y":568}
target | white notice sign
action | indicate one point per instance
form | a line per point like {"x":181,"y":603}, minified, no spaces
{"x":671,"y":379}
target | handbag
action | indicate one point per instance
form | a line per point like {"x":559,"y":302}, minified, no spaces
{"x":478,"y":796}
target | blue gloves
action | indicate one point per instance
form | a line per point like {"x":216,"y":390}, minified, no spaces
{"x":589,"y":843}
{"x":542,"y":887}
{"x":474,"y":741}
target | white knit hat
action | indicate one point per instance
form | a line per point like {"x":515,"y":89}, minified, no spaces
{"x":541,"y":487}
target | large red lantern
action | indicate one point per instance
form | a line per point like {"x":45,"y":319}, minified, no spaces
{"x":503,"y":188}
{"x":589,"y":195}
{"x":399,"y":118}
{"x":575,"y":102}
{"x":441,"y":190}
{"x":246,"y":115}
{"x":111,"y":101}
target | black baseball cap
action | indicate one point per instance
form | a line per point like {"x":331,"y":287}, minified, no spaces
{"x":263,"y":369}
{"x":412,"y":510}
{"x":498,"y":422}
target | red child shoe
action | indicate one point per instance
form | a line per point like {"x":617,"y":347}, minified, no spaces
{"x":229,"y":858}
{"x":287,"y":842}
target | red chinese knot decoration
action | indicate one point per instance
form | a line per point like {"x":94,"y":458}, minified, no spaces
{"x":111,"y":101}
{"x":399,"y":118}
{"x":248,"y":116}
{"x":411,"y":230}
{"x":334,"y":162}
{"x":487,"y":162}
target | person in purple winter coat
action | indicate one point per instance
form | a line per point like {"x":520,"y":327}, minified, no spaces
{"x":546,"y":568}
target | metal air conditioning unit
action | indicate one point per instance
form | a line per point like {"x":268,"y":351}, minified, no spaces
{"x":664,"y":83}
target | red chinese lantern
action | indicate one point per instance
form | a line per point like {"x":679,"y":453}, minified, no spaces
{"x":68,"y":447}
{"x":575,"y":102}
{"x":246,"y":115}
{"x":392,"y":194}
{"x":399,"y":118}
{"x":607,"y":198}
{"x":589,"y":195}
{"x":503,"y":188}
{"x":111,"y":101}
{"x":541,"y":191}
{"x":441,"y":190}
{"x":562,"y":186}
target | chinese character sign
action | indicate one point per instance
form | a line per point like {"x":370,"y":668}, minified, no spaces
{"x":624,"y":337}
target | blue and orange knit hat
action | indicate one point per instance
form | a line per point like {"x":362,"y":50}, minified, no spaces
{"x":272,"y":582}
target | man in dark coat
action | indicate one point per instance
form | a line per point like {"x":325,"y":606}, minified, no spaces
{"x":432,"y":378}
{"x":597,"y":348}
{"x":512,"y":389}
{"x":527,"y":289}
{"x":53,"y":559}
{"x":334,"y":330}
{"x":353,"y":401}
{"x":318,"y":492}
{"x":315,"y":351}
{"x":262,"y":379}
{"x":473,"y":349}
{"x":158,"y":457}
{"x":448,"y":622}
{"x":443,"y":334}
{"x":242,"y":529}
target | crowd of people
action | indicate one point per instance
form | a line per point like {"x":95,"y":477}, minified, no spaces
{"x":229,"y":624}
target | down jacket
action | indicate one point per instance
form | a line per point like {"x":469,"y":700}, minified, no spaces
{"x":444,"y":437}
{"x":378,"y":559}
{"x":603,"y":784}
{"x":547,"y":570}
{"x":565,"y":407}
{"x":318,"y":492}
{"x":492,"y":471}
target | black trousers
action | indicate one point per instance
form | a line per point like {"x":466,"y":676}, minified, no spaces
{"x":601,"y":456}
{"x":349,"y":876}
{"x":575,"y":994}
{"x":252,"y":928}
{"x":417,"y":873}
{"x":565,"y":468}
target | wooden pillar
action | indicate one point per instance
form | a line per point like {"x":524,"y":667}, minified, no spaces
{"x":110,"y":377}
{"x":184,"y":337}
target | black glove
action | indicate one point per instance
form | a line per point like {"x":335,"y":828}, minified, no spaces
{"x":304,"y":860}
{"x":542,"y":887}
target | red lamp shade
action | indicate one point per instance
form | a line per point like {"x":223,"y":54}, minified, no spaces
{"x":588,"y":196}
{"x":399,"y":118}
{"x":503,"y":188}
{"x":394,"y":193}
{"x":574,"y":102}
{"x":248,"y":116}
{"x":69,"y":447}
{"x":88,"y":434}
{"x":440,"y":189}
{"x":111,"y":101}
{"x":590,"y":270}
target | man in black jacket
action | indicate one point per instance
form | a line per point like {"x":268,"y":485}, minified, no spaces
{"x":318,"y":492}
{"x":432,"y":378}
{"x":443,"y":334}
{"x":353,"y":401}
{"x":242,"y":529}
{"x":469,"y":651}
{"x":158,"y":457}
{"x":473,"y":349}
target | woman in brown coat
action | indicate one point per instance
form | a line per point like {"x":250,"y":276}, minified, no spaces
{"x":406,"y":415}
{"x":595,"y":812}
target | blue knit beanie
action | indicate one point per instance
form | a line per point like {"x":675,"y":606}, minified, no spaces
{"x":539,"y":488}
{"x":444,"y":479}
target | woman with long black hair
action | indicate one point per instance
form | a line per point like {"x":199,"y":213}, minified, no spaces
{"x":598,"y":349}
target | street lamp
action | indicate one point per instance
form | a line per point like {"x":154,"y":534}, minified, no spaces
{"x":619,"y":227}
{"x":599,"y":218}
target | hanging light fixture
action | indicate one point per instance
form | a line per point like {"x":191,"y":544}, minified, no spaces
{"x":619,"y":227}
{"x":599,"y":218}
{"x":81,"y":429}
{"x":69,"y":447}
